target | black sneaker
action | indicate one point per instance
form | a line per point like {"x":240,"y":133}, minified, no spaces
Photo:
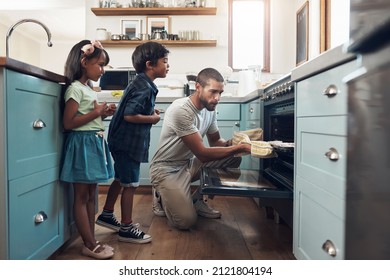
{"x":134,"y":235}
{"x":109,"y":222}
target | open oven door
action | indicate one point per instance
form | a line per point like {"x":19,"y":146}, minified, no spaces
{"x":240,"y":182}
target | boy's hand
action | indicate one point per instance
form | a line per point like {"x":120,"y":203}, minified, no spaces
{"x":110,"y":110}
{"x":156,"y":116}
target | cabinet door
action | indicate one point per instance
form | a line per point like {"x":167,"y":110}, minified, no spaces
{"x":35,"y":214}
{"x":154,"y":140}
{"x":155,"y":132}
{"x":227,"y":128}
{"x":32,"y":124}
{"x":228,"y":111}
{"x":318,"y":223}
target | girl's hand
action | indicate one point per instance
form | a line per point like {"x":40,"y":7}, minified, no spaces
{"x":100,"y":108}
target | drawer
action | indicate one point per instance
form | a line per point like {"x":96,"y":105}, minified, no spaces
{"x":315,"y":137}
{"x":228,"y":111}
{"x":32,"y":149}
{"x":321,"y":218}
{"x":29,"y":196}
{"x":310,"y":98}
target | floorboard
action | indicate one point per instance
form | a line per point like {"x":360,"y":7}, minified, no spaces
{"x":242,"y":233}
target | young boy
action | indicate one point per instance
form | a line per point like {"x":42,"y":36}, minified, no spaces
{"x":129,"y":137}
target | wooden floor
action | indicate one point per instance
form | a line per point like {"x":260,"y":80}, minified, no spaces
{"x":243,"y":233}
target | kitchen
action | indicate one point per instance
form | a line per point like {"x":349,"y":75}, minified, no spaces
{"x":282,"y":59}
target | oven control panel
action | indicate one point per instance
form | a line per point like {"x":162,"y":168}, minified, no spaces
{"x":282,"y":89}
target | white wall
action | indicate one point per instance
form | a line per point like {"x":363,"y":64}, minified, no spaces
{"x":20,"y":47}
{"x":283,"y":36}
{"x":339,"y":24}
{"x":27,"y":49}
{"x":183,"y":59}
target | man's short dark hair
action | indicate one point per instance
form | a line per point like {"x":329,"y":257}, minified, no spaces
{"x":206,"y":74}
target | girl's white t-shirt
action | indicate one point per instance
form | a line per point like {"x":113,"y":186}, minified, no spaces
{"x":85,"y":97}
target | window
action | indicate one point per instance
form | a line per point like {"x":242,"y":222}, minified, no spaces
{"x":249,"y":34}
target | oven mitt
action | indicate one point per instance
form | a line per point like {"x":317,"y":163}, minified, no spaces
{"x":254,"y":137}
{"x":255,"y":134}
{"x":262,"y":149}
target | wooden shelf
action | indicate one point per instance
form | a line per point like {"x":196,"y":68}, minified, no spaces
{"x":153,"y":11}
{"x":130,"y":43}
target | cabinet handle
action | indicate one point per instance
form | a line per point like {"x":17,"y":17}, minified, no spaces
{"x":331,"y":91}
{"x":332,"y":154}
{"x":329,"y":248}
{"x":251,"y":110}
{"x":39,"y":124}
{"x":40,"y":217}
{"x":237,"y":124}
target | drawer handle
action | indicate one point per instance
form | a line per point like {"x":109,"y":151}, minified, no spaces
{"x":237,"y":124}
{"x":40,"y":217}
{"x":39,"y":124}
{"x":251,"y":110}
{"x":332,"y":154}
{"x":331,"y":91}
{"x":329,"y":248}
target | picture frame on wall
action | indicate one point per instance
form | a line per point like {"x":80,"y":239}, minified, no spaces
{"x":131,"y":27}
{"x":325,"y":25}
{"x":161,"y":23}
{"x":302,"y":21}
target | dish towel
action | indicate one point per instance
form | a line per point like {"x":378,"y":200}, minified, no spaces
{"x":254,"y":137}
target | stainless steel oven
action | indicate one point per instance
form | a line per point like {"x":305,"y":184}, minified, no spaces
{"x":273,"y":182}
{"x":279,"y":127}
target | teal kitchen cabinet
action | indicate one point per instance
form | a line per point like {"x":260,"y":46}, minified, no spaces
{"x":33,"y":213}
{"x":251,"y":118}
{"x":320,"y":164}
{"x":229,"y":116}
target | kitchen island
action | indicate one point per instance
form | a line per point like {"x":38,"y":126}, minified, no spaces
{"x":34,"y":209}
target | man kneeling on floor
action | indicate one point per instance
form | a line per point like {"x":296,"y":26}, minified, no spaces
{"x":181,"y":153}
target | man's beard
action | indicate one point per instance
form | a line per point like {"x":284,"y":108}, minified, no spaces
{"x":209,"y":106}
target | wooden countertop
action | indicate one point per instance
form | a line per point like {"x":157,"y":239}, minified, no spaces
{"x":28,"y":69}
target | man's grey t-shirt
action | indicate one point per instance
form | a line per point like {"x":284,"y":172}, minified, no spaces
{"x":182,"y":118}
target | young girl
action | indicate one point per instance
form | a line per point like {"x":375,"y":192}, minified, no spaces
{"x":86,"y":159}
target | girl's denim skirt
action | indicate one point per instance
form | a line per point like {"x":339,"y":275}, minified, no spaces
{"x":86,"y":158}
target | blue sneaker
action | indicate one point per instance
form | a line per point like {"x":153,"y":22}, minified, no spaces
{"x":133,"y":234}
